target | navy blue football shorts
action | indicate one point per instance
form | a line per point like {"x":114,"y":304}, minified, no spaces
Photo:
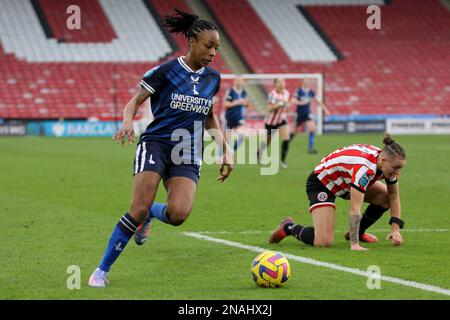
{"x":234,"y":123}
{"x":156,"y":156}
{"x":302,"y":118}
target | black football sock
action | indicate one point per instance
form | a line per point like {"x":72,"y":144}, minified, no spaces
{"x":291,"y":136}
{"x":284,"y":149}
{"x":371,"y":215}
{"x":288,"y":228}
{"x":304,"y":234}
{"x":260,"y":151}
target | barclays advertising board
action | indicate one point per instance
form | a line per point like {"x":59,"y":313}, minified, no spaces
{"x":73,"y":128}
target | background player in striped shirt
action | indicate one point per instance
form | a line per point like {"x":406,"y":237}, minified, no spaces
{"x":276,"y":119}
{"x":182,"y":92}
{"x":303,"y":98}
{"x":351,"y":173}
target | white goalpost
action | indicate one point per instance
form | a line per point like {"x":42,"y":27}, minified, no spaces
{"x":260,"y":85}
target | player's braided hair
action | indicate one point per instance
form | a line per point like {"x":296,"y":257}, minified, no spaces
{"x":393,"y":148}
{"x":188,"y":24}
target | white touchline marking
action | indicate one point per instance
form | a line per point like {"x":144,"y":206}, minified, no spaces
{"x":412,"y":284}
{"x":269,"y":231}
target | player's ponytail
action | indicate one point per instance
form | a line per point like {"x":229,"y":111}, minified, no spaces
{"x":188,"y":24}
{"x":393,"y":148}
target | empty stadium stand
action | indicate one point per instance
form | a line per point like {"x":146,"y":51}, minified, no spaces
{"x":50,"y":72}
{"x":71,"y":89}
{"x":402,"y":68}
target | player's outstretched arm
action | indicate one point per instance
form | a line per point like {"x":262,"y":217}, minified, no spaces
{"x":356,"y":201}
{"x":229,"y":104}
{"x":250,"y":105}
{"x":227,"y":163}
{"x":394,"y":203}
{"x":297,"y":101}
{"x":324,"y":107}
{"x":130,"y":110}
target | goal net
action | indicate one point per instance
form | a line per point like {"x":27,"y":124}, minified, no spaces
{"x":258,"y":87}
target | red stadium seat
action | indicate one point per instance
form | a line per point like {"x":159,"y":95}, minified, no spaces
{"x":383,"y":69}
{"x":402,"y":68}
{"x":77,"y":90}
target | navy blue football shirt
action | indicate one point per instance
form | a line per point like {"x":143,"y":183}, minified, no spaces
{"x":309,"y":94}
{"x":181,"y":100}
{"x":236,"y":113}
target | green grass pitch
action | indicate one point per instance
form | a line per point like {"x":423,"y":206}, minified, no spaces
{"x":60,"y":199}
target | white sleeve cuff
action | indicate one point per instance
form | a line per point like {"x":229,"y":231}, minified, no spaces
{"x":147,"y":87}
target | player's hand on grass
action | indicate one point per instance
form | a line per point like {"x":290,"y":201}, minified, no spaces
{"x":395,"y":237}
{"x":226,"y":167}
{"x":357,"y":247}
{"x":126,"y":132}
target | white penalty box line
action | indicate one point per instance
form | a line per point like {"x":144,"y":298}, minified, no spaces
{"x":407,"y":283}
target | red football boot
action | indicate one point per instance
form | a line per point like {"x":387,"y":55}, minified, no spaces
{"x":366,"y":237}
{"x":279,"y":234}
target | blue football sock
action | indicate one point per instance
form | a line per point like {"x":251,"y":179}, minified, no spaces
{"x":158,"y":211}
{"x":311,"y":141}
{"x":122,"y":233}
{"x":238,"y":142}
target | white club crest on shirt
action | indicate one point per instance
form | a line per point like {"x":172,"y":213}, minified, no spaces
{"x":194,"y":81}
{"x":322,"y":196}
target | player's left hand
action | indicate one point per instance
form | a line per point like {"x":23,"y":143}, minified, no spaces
{"x":395,"y":237}
{"x":126,"y":131}
{"x":226,"y":167}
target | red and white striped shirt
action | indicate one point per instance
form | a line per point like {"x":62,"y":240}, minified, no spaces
{"x":355,"y":166}
{"x":276,"y":117}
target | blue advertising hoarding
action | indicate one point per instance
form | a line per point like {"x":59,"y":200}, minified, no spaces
{"x":73,"y":128}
